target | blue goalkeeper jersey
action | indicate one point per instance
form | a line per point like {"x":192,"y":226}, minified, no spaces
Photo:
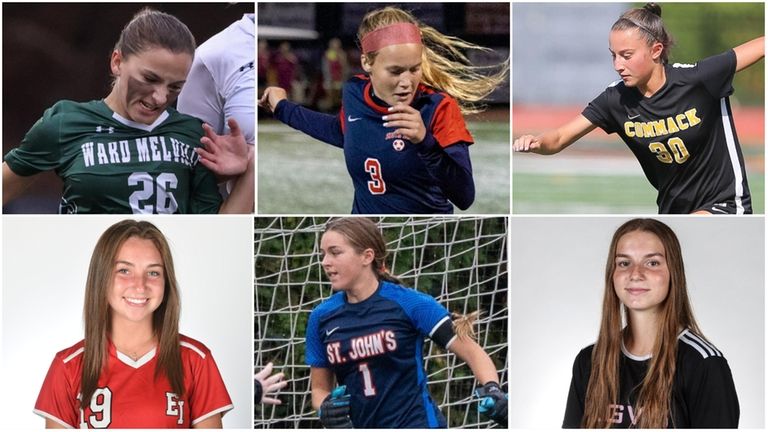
{"x":375,"y":348}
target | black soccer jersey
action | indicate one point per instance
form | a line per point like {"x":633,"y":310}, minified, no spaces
{"x":683,"y":136}
{"x":703,"y":394}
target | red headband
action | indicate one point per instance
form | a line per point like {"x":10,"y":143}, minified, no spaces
{"x":394,"y":34}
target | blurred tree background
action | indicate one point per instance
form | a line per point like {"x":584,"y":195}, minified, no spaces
{"x":703,"y":30}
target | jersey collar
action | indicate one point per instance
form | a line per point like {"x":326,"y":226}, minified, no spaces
{"x":136,"y":125}
{"x":124,"y":358}
{"x":631,"y":356}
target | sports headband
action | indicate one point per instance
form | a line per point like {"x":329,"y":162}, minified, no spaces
{"x":393,"y":34}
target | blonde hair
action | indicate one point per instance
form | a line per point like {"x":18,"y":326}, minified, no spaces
{"x":655,"y":392}
{"x":98,"y":315}
{"x":444,"y":66}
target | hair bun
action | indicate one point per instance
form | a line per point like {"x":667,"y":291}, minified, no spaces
{"x":653,"y":8}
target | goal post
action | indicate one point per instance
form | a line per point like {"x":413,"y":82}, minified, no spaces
{"x":460,"y":261}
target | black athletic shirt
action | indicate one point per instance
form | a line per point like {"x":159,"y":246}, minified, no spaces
{"x":683,"y":136}
{"x":703,"y":394}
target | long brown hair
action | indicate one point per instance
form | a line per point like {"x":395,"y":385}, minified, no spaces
{"x":98,"y":315}
{"x":648,"y":22}
{"x":654,"y":398}
{"x":444,"y":66}
{"x":363,"y":233}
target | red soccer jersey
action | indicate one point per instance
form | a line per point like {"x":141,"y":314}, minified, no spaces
{"x":129,"y":396}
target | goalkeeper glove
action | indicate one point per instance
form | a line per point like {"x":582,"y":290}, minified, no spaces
{"x":334,"y":411}
{"x":493,"y":403}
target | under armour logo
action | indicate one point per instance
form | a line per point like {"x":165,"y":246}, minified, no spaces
{"x":100,"y":129}
{"x":246,"y":67}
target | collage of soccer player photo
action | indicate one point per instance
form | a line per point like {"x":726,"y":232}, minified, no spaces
{"x":529,"y":216}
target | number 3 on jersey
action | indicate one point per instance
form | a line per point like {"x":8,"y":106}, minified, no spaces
{"x":376,"y":184}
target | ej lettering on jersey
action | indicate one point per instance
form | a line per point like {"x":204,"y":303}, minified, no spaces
{"x":667,"y":126}
{"x":362,"y":347}
{"x":146,"y":149}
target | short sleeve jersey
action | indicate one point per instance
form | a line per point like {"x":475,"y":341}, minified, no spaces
{"x":113,"y":165}
{"x":221,"y":83}
{"x":703,"y":393}
{"x":129,"y":396}
{"x":387,"y":172}
{"x":374,"y":347}
{"x":683,"y":136}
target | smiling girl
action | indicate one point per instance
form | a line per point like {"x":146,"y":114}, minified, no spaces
{"x":132,"y":152}
{"x":676,"y":118}
{"x":365,"y":343}
{"x":133,"y":369}
{"x":655,"y":370}
{"x":401,"y":126}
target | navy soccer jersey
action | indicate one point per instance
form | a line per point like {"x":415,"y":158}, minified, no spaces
{"x":389,"y":173}
{"x":703,"y":393}
{"x":374,"y":347}
{"x":683,"y":136}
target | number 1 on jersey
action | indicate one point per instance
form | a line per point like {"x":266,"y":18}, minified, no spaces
{"x":376,"y":185}
{"x":368,"y":388}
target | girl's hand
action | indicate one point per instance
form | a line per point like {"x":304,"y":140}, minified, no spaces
{"x":408,"y":122}
{"x":526,"y":143}
{"x":225,"y":155}
{"x":270,"y":384}
{"x":271,"y":97}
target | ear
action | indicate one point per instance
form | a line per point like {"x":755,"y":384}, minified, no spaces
{"x":364,"y":62}
{"x":656,"y":49}
{"x":115,"y":61}
{"x":368,"y":256}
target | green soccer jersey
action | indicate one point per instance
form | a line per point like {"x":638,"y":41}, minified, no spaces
{"x":113,"y":165}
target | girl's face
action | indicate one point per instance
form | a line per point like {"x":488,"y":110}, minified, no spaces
{"x":146,"y":83}
{"x":633,"y":59}
{"x":395,"y":72}
{"x":138,"y":282}
{"x":641,"y":275}
{"x":343,"y":265}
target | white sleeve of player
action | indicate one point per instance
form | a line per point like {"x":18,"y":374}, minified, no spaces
{"x":240,"y":102}
{"x":200,"y":97}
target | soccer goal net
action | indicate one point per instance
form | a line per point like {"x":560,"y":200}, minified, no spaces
{"x":460,"y":261}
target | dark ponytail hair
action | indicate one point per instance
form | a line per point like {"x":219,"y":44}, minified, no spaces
{"x":154,"y":29}
{"x":648,"y":21}
{"x":363,"y":233}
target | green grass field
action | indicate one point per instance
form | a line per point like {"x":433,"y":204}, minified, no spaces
{"x":299,"y":175}
{"x":598,"y":178}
